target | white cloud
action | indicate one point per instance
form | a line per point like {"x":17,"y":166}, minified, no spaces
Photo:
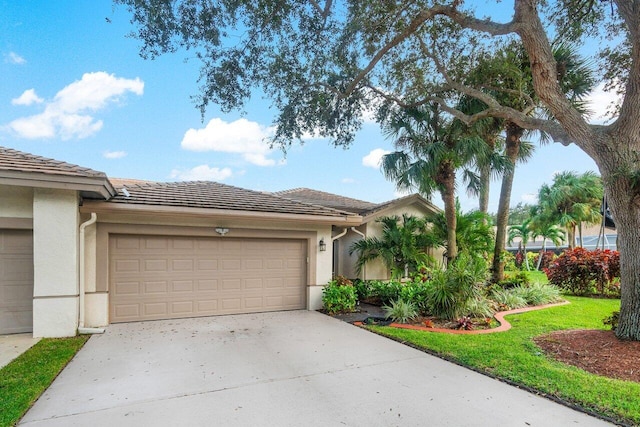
{"x":66,"y":115}
{"x":28,"y":97}
{"x":14,"y":58}
{"x":402,"y":193}
{"x":202,"y":173}
{"x":348,"y":180}
{"x":600,"y":102}
{"x":373,"y":159}
{"x":114,"y":154}
{"x":529,"y":198}
{"x":242,"y":137}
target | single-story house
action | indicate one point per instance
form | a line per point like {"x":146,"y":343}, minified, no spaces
{"x":79,"y":251}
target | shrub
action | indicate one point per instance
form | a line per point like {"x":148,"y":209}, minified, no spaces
{"x":547,"y":258}
{"x":512,"y":281}
{"x":401,"y":311}
{"x":507,"y":299}
{"x":339,"y":298}
{"x":451,"y":290}
{"x":509,"y":261}
{"x":538,"y":293}
{"x":416,"y":292}
{"x":363,"y":289}
{"x":479,"y":306}
{"x":584,"y":272}
{"x":465,"y":323}
{"x":385,"y":292}
{"x":519,"y":260}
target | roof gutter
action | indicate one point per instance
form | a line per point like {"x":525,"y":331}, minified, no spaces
{"x":140,"y":209}
{"x":81,"y":293}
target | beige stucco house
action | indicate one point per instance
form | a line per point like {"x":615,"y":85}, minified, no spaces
{"x":79,"y":251}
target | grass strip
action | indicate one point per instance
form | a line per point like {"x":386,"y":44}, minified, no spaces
{"x":513,"y":356}
{"x":25,"y":378}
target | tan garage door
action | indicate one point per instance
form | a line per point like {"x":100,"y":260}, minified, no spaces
{"x":161,"y":277}
{"x":16,"y":281}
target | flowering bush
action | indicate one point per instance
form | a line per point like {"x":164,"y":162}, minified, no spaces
{"x":584,"y":272}
{"x":547,"y":258}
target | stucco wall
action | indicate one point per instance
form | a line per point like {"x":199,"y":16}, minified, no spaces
{"x":55,"y":259}
{"x":16,"y":202}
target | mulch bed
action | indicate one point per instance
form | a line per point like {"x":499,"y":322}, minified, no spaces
{"x":595,"y":351}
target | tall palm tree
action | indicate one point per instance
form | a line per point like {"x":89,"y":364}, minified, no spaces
{"x":431,"y":149}
{"x":506,"y":75}
{"x":571,"y":200}
{"x":524,"y":232}
{"x":402,"y":246}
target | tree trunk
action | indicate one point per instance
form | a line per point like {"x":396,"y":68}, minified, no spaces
{"x":448,"y":182}
{"x":485,"y":186}
{"x":544,"y":249}
{"x":485,"y":176}
{"x":514,"y":133}
{"x":571,"y":236}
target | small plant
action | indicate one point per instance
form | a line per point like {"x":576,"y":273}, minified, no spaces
{"x":401,"y":311}
{"x":451,"y":290}
{"x":507,"y":299}
{"x":538,"y":293}
{"x":464,"y":323}
{"x":612,"y":320}
{"x":428,"y":323}
{"x":343,"y":281}
{"x":339,"y":298}
{"x":479,"y":307}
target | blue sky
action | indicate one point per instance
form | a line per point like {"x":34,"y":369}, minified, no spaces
{"x":75,"y":89}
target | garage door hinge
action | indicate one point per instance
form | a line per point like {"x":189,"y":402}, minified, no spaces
{"x":307,"y":260}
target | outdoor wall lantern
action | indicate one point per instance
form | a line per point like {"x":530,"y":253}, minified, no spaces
{"x":322,"y":245}
{"x":222,"y":231}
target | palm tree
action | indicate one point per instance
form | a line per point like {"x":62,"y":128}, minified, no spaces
{"x":506,"y":75}
{"x":474,"y":232}
{"x":547,"y":231}
{"x":431,"y":150}
{"x":402,"y":246}
{"x":571,"y":200}
{"x":524,"y":232}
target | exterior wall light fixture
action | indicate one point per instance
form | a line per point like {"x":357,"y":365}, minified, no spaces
{"x":322,"y":245}
{"x":222,"y":231}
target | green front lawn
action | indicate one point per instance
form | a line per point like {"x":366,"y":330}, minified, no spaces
{"x":513,"y":356}
{"x":24,"y":379}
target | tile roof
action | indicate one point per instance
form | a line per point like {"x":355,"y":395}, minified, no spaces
{"x":18,"y":161}
{"x":315,"y":197}
{"x":213,"y":195}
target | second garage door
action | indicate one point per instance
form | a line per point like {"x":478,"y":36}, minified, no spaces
{"x":163,"y":277}
{"x":16,"y":281}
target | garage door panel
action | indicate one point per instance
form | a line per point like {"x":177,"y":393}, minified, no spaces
{"x":204,"y":276}
{"x":16,"y":281}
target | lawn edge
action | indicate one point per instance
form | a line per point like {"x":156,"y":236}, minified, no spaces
{"x":50,"y":382}
{"x":534,"y":391}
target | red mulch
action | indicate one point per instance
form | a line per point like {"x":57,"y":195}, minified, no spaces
{"x":595,"y":351}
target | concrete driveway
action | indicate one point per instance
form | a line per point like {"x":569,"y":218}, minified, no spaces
{"x":276,"y":369}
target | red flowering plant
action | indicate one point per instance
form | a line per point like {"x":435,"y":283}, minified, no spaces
{"x":583,"y":272}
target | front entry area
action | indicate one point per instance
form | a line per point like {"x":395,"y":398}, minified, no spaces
{"x":16,"y":281}
{"x":168,"y":277}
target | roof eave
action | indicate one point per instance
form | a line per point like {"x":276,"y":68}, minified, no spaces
{"x":415,"y":198}
{"x":87,"y":186}
{"x":142,"y":209}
